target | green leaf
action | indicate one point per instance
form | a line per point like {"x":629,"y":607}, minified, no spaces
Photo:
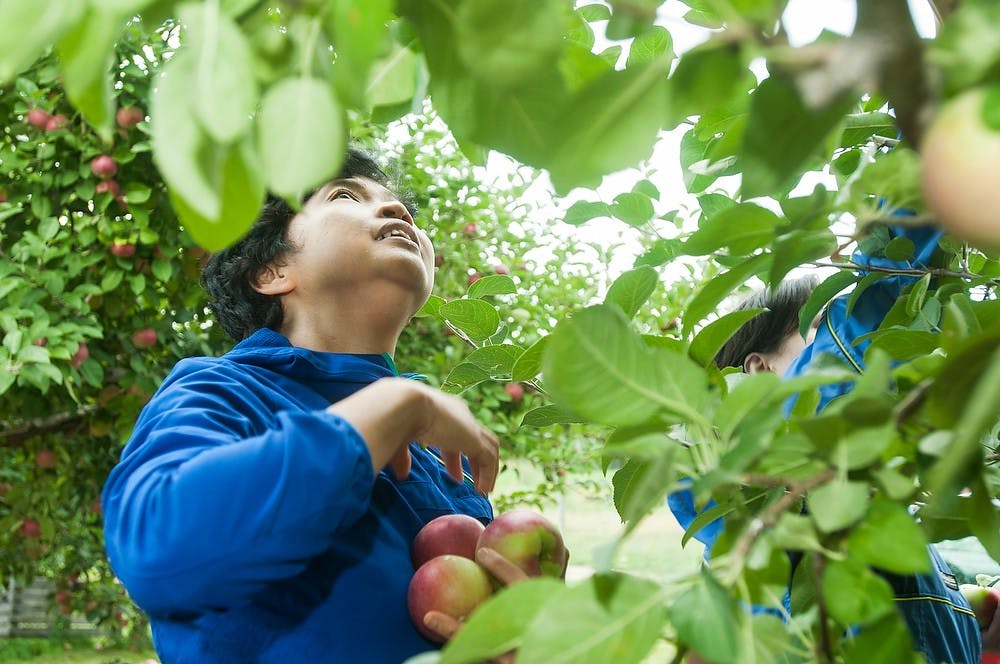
{"x":633,"y":208}
{"x":710,"y":294}
{"x":706,"y":619}
{"x":506,"y":42}
{"x":860,"y":127}
{"x":86,"y":53}
{"x":639,"y":486}
{"x":887,"y":640}
{"x":545,"y":416}
{"x":529,"y":365}
{"x":431,"y":307}
{"x":900,"y":249}
{"x":889,"y":538}
{"x":110,"y":280}
{"x":742,"y":228}
{"x":358,"y":28}
{"x":225,"y":94}
{"x":464,"y":376}
{"x":632,"y":289}
{"x":854,"y":593}
{"x":713,"y":336}
{"x":497,"y":360}
{"x":241,"y":197}
{"x":821,"y":295}
{"x":499,"y":625}
{"x":581,"y":212}
{"x":837,"y":505}
{"x":28,"y":28}
{"x":476,"y":318}
{"x":800,"y":246}
{"x":394,"y":78}
{"x":162,"y":270}
{"x":599,"y":368}
{"x":610,"y":124}
{"x":181,"y":149}
{"x":494,"y":284}
{"x":915,"y":300}
{"x":781,"y":134}
{"x":649,"y":45}
{"x":705,"y":78}
{"x":301,"y":134}
{"x":607,"y":618}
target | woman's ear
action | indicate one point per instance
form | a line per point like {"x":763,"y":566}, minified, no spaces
{"x":756,"y":363}
{"x":273,"y":280}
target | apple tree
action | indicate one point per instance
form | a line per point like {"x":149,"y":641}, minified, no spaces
{"x":259,"y":95}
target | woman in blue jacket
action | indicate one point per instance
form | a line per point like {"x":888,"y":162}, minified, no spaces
{"x":263,"y":509}
{"x":940,"y":622}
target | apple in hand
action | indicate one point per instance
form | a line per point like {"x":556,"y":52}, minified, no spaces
{"x":450,"y":584}
{"x":455,"y":534}
{"x":982,"y":601}
{"x":528,"y":540}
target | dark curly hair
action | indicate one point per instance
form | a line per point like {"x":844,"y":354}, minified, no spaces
{"x":229,"y":274}
{"x":766,"y":332}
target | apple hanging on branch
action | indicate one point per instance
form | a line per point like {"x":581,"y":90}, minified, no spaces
{"x":960,"y":161}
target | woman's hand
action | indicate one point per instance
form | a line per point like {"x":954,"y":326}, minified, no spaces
{"x":392,"y":412}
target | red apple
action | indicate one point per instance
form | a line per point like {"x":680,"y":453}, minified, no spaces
{"x":38,"y":117}
{"x":501,"y":269}
{"x":40,"y":342}
{"x":982,"y":601}
{"x":96,"y":507}
{"x":30,"y":529}
{"x":103,"y":166}
{"x":455,"y":534}
{"x":3,"y":195}
{"x":473,"y":278}
{"x":450,"y":584}
{"x":45,"y":459}
{"x":470,"y":230}
{"x":5,"y":488}
{"x":129,"y":116}
{"x":108,"y":187}
{"x":80,"y":356}
{"x":55,"y":122}
{"x":144,"y":338}
{"x":515,"y":390}
{"x":438,"y":260}
{"x":528,"y":540}
{"x":123,"y":250}
{"x":960,"y":163}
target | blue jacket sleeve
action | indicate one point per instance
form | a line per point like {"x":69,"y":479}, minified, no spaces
{"x":208,"y":505}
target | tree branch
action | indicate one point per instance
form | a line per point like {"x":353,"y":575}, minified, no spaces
{"x":23,"y":430}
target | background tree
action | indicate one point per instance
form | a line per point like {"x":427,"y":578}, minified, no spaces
{"x":258,"y":95}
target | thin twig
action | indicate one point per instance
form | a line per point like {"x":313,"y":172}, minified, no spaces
{"x":21,"y":431}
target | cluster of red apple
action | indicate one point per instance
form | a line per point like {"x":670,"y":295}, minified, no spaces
{"x":448,"y":578}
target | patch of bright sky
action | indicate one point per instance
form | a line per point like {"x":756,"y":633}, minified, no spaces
{"x":804,"y":21}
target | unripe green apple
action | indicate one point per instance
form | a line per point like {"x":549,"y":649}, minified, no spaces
{"x":450,"y":584}
{"x":960,"y":157}
{"x":529,"y":540}
{"x":455,"y":534}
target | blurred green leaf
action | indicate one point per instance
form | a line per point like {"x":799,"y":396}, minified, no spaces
{"x":742,"y":228}
{"x":224,"y":95}
{"x":29,"y":28}
{"x":608,"y":617}
{"x":889,"y":538}
{"x":706,"y":619}
{"x":713,"y":336}
{"x":499,"y":625}
{"x":301,"y":134}
{"x":837,"y":505}
{"x":358,"y":28}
